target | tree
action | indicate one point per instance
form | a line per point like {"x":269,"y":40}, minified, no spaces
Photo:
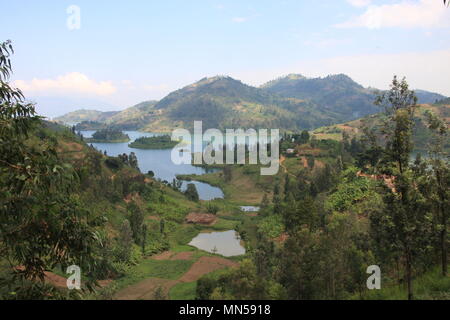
{"x":265,"y":203}
{"x":191,"y":192}
{"x":144,"y":237}
{"x":133,"y":161}
{"x":227,"y":173}
{"x":136,"y":217}
{"x":440,"y":195}
{"x":304,"y":137}
{"x":42,"y":223}
{"x":212,"y":208}
{"x":403,"y":225}
{"x":125,"y":241}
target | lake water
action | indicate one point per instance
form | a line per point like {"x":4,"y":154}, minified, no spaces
{"x":227,"y":244}
{"x":159,"y":161}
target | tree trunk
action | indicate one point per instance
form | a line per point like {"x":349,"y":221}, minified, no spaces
{"x":443,"y":214}
{"x":444,"y":251}
{"x":409,"y":276}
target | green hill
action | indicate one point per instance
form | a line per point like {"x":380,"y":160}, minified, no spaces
{"x":354,"y":128}
{"x":85,"y":115}
{"x":335,"y":93}
{"x":109,"y":136}
{"x":223,"y":102}
{"x":290,"y":103}
{"x":133,"y":118}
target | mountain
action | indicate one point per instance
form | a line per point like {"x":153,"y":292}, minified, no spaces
{"x":223,"y":102}
{"x":85,"y":115}
{"x":421,"y":135}
{"x":290,"y":103}
{"x":336,"y":93}
{"x":426,"y":97}
{"x":133,"y":118}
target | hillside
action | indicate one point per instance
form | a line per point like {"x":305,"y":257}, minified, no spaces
{"x":290,"y":103}
{"x":85,"y":115}
{"x":335,"y":93}
{"x":133,"y":118}
{"x":223,"y":102}
{"x":354,"y":128}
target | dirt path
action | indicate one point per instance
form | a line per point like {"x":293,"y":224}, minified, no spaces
{"x":282,"y":160}
{"x":169,"y":255}
{"x":145,"y":290}
{"x":206,"y":265}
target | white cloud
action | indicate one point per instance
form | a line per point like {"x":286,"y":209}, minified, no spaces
{"x":359,"y":3}
{"x":404,"y":14}
{"x":71,"y":83}
{"x":239,"y":19}
{"x":156,"y":88}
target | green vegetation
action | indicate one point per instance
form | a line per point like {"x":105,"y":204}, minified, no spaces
{"x":343,"y":96}
{"x":158,"y":142}
{"x":334,"y":208}
{"x":108,"y":136}
{"x":84,"y":115}
{"x":184,"y":291}
{"x":428,"y":286}
{"x":345,"y":206}
{"x":422,"y":137}
{"x":290,"y":103}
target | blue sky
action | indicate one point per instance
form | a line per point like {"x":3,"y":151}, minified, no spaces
{"x":129,"y":51}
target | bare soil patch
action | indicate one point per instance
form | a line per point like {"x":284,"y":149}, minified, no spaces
{"x":206,"y":265}
{"x":201,"y":218}
{"x":145,"y":290}
{"x":163,"y":256}
{"x":55,"y":280}
{"x":182,"y":256}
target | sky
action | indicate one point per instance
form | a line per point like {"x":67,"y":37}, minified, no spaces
{"x":110,"y":55}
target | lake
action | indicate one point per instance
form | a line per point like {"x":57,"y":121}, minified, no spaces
{"x":227,"y":244}
{"x":159,"y":161}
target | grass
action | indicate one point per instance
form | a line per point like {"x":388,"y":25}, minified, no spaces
{"x":165,"y":269}
{"x":243,"y":189}
{"x":183,"y":291}
{"x":224,"y":224}
{"x":430,"y":286}
{"x":182,"y":248}
{"x":183,"y":235}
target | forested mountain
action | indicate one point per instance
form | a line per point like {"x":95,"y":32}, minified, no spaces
{"x":290,"y":103}
{"x":336,"y":93}
{"x":223,"y":102}
{"x":85,"y":115}
{"x":422,"y":137}
{"x":133,"y":118}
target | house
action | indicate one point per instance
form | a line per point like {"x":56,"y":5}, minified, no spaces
{"x":290,"y":151}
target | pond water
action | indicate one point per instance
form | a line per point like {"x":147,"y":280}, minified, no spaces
{"x":250,"y":209}
{"x":227,"y":244}
{"x":159,"y":161}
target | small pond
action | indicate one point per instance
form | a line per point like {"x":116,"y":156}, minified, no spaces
{"x":250,"y":209}
{"x":227,"y":244}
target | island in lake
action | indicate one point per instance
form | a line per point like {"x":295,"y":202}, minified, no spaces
{"x":158,"y":142}
{"x":109,"y":136}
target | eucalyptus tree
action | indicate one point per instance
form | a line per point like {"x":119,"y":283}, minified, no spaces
{"x":403,"y":226}
{"x":42,"y":223}
{"x":440,"y":186}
